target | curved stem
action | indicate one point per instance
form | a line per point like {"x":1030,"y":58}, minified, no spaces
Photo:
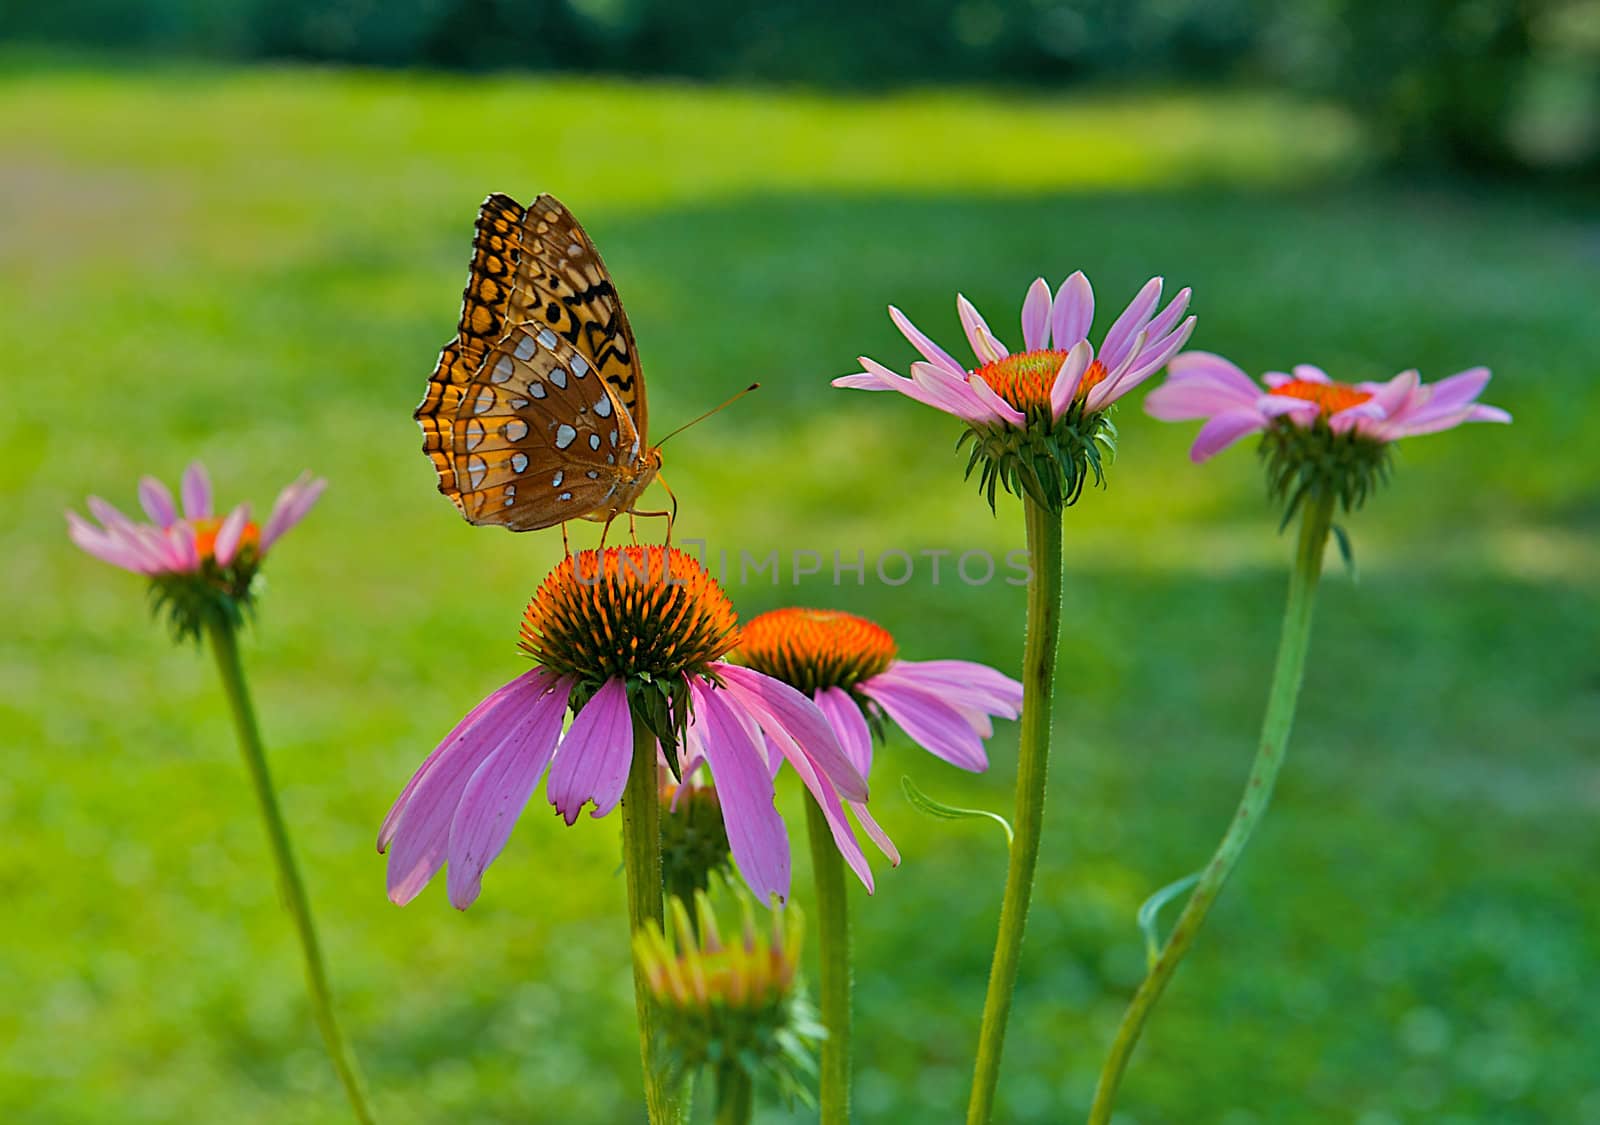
{"x":1281,"y":700}
{"x":641,"y":860}
{"x":225,"y":647}
{"x":1038,"y":685}
{"x":833,"y":929}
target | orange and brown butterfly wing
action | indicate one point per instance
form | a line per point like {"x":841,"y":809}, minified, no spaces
{"x":539,"y":438}
{"x":496,"y":251}
{"x":562,"y":282}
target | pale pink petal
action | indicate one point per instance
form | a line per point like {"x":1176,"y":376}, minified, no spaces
{"x":595,"y":755}
{"x":1073,"y":312}
{"x":108,"y":514}
{"x":1152,"y":357}
{"x":1065,"y":388}
{"x":156,"y":500}
{"x":1109,"y":389}
{"x":178,"y":543}
{"x":996,"y":405}
{"x":418,"y":825}
{"x":930,"y":351}
{"x":756,"y":835}
{"x":292,"y":505}
{"x":973,"y":685}
{"x":827,"y":798}
{"x":1119,"y":341}
{"x":956,"y":396}
{"x":103,"y":546}
{"x":1182,"y":399}
{"x":196,"y":492}
{"x":496,"y":794}
{"x":1482,"y":412}
{"x":228,"y":534}
{"x":984,"y":343}
{"x":1392,"y":395}
{"x":1273,"y":405}
{"x":845,"y":717}
{"x":1036,"y":316}
{"x":777,"y":705}
{"x":930,"y":722}
{"x":1458,"y":390}
{"x":1307,"y":373}
{"x":1223,"y":430}
{"x":1276,"y":379}
{"x":1169,"y":317}
{"x":876,"y":834}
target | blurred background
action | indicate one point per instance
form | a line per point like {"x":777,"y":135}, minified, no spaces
{"x":239,"y":232}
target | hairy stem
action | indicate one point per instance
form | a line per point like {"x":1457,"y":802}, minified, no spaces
{"x":833,"y":929}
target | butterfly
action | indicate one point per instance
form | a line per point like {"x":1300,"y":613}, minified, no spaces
{"x":535,"y":414}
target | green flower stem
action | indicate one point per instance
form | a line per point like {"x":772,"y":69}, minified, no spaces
{"x":736,"y":1100}
{"x":1286,"y":678}
{"x":1038,"y":686}
{"x":641,"y":859}
{"x":833,"y":929}
{"x":225,"y":646}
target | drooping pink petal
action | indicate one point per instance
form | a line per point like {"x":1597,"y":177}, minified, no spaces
{"x":955,"y":396}
{"x":1065,"y":389}
{"x":196,"y":492}
{"x":292,"y":505}
{"x":848,"y":723}
{"x":1182,"y":399}
{"x":156,"y":500}
{"x":776,"y":704}
{"x":827,"y":798}
{"x":418,"y":824}
{"x":228,"y":535}
{"x":876,"y":834}
{"x":1119,"y":341}
{"x":103,"y":546}
{"x":960,"y":688}
{"x":929,"y":350}
{"x":756,"y":835}
{"x":496,"y":794}
{"x":595,"y":756}
{"x":1209,"y":367}
{"x":1036,"y":316}
{"x":1223,"y":430}
{"x":997,"y":406}
{"x":109,"y":515}
{"x":1073,"y":312}
{"x":930,"y":722}
{"x":985,"y":345}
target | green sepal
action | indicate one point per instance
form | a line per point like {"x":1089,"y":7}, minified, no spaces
{"x":926,"y":804}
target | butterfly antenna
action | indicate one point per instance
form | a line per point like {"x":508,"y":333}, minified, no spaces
{"x":707,"y":414}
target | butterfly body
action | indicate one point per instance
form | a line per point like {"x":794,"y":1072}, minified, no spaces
{"x":535,"y":413}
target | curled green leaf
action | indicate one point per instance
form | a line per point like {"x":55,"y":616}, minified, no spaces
{"x":924,"y":803}
{"x":1152,"y":908}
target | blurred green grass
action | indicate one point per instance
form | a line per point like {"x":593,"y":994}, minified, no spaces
{"x":257,"y":267}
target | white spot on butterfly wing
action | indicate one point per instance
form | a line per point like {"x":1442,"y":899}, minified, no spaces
{"x":565,"y":435}
{"x":514,"y":430}
{"x":477,"y":469}
{"x":484,"y":402}
{"x":555,"y":481}
{"x":525,"y":347}
{"x":594,"y":441}
{"x":502,"y":370}
{"x":547,"y":338}
{"x":559,"y":377}
{"x":580,"y":366}
{"x":536,"y":388}
{"x":519,"y":462}
{"x":518,"y":403}
{"x":565,"y":496}
{"x":602,"y":406}
{"x":475,"y":434}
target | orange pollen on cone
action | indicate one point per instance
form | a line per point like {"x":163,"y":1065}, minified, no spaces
{"x":628,"y":610}
{"x":811,"y":649}
{"x":1331,"y":397}
{"x":205,"y":536}
{"x":1026,"y":379}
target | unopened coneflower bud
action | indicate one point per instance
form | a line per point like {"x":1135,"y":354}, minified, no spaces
{"x":730,"y":1001}
{"x":694,"y":839}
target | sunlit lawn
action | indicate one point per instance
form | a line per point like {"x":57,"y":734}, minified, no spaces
{"x":257,"y":268}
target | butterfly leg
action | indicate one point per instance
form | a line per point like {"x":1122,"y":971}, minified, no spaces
{"x":565,"y":543}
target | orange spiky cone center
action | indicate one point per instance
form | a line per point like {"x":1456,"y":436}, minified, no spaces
{"x":811,"y":649}
{"x":1026,"y":379}
{"x":1330,"y":397}
{"x":205,"y":536}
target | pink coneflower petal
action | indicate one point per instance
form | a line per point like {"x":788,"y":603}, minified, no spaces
{"x":955,"y":396}
{"x":776,"y":704}
{"x":182,"y":553}
{"x":756,"y":834}
{"x":1065,"y":389}
{"x":1119,"y":341}
{"x":929,"y":350}
{"x":783,"y":747}
{"x":1105,"y":392}
{"x":495,"y":794}
{"x":1201,"y":388}
{"x":845,"y":717}
{"x":994,"y":404}
{"x":196,"y":492}
{"x":1151,"y":358}
{"x":418,"y":824}
{"x":229,"y":533}
{"x":985,"y":345}
{"x":102,"y":545}
{"x":930,"y":722}
{"x":959,"y":688}
{"x":292,"y":505}
{"x":1457,"y":390}
{"x":1309,"y":373}
{"x":1073,"y":312}
{"x":1223,"y":430}
{"x":877,"y":835}
{"x":109,"y":515}
{"x":1036,"y":316}
{"x":595,"y":755}
{"x":1169,"y":317}
{"x":156,"y":500}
